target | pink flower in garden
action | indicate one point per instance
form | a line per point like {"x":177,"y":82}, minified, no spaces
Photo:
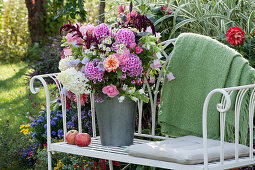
{"x":170,"y":76}
{"x":121,"y":8}
{"x":163,"y":8}
{"x":101,"y":30}
{"x":138,"y":49}
{"x":92,"y":72}
{"x":123,"y":58}
{"x":150,"y":31}
{"x":110,"y":90}
{"x":87,"y":28}
{"x":133,"y":66}
{"x":169,"y":11}
{"x":156,"y":64}
{"x":71,"y":38}
{"x":67,"y":51}
{"x":132,"y":45}
{"x":235,"y":36}
{"x":133,"y":13}
{"x":125,"y":36}
{"x":111,"y":63}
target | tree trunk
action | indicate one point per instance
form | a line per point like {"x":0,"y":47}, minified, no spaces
{"x":101,"y":11}
{"x":36,"y":19}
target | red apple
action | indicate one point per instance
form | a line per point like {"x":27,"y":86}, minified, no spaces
{"x":82,"y":139}
{"x":70,"y":136}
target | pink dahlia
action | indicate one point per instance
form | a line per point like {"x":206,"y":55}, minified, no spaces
{"x":92,"y":72}
{"x":125,"y":36}
{"x":235,"y":36}
{"x":101,"y":30}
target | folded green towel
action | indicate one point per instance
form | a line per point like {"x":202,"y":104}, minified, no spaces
{"x":201,"y":64}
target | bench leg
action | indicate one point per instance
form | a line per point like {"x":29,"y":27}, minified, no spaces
{"x":49,"y":161}
{"x":110,"y":165}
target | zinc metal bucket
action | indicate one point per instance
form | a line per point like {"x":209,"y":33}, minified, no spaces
{"x":116,"y":121}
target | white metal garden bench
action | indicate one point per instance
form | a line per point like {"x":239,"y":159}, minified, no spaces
{"x":95,"y":149}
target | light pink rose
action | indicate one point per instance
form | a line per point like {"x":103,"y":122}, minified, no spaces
{"x":156,"y":64}
{"x":67,"y":51}
{"x":170,"y":76}
{"x":138,"y":49}
{"x":110,"y":90}
{"x":123,"y":58}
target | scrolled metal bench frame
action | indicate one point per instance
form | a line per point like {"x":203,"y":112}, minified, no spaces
{"x":95,"y":149}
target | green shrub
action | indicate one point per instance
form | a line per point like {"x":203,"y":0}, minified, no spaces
{"x":14,"y":35}
{"x":11,"y":144}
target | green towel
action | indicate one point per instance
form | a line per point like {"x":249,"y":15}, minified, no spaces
{"x":201,"y":64}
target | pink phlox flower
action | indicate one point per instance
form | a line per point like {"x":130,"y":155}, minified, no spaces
{"x":170,"y":76}
{"x":125,"y":36}
{"x":156,"y":64}
{"x":101,"y":30}
{"x":123,"y":58}
{"x":138,"y":49}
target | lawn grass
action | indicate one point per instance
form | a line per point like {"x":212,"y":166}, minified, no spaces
{"x":17,"y":103}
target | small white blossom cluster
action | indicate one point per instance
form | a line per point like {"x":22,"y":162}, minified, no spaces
{"x":63,"y":63}
{"x":74,"y":80}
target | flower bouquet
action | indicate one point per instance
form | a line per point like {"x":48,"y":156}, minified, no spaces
{"x":110,"y":59}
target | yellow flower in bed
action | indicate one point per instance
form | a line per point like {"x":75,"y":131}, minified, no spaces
{"x":24,"y":129}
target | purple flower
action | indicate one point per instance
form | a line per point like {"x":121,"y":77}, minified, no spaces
{"x":53,"y":123}
{"x":55,"y":119}
{"x":39,"y":121}
{"x":92,"y":72}
{"x":33,"y":135}
{"x":32,"y":124}
{"x":170,"y":76}
{"x":59,"y":115}
{"x":85,"y":60}
{"x":89,"y":113}
{"x":59,"y":112}
{"x":60,"y":133}
{"x":100,"y":66}
{"x":45,"y":126}
{"x":53,"y":133}
{"x":70,"y":125}
{"x":156,"y":64}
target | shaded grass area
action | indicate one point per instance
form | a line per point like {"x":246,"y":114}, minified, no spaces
{"x":17,"y":103}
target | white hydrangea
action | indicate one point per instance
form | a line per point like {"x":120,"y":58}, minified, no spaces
{"x":63,"y":63}
{"x":74,"y":80}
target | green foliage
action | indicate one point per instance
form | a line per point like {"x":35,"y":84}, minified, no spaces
{"x":72,"y":9}
{"x":10,"y":146}
{"x":14,"y":30}
{"x":211,"y":18}
{"x":53,"y":23}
